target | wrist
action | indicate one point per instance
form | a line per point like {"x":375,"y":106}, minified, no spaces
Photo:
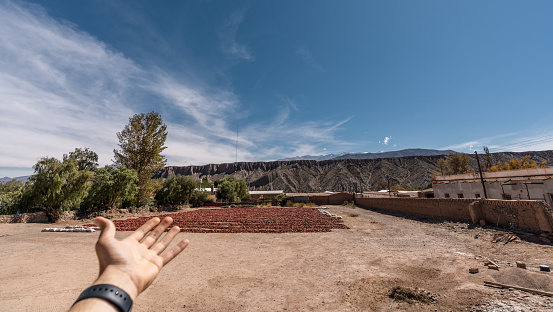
{"x":119,"y":278}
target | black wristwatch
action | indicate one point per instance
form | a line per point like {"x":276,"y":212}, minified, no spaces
{"x":113,"y":294}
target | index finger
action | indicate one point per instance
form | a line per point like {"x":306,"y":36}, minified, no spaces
{"x":144,"y":229}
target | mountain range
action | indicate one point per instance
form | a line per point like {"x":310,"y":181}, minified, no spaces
{"x":401,"y":153}
{"x":298,"y":176}
{"x":6,"y":179}
{"x":412,"y":168}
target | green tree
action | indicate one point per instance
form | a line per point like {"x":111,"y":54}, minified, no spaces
{"x":232,"y":189}
{"x":454,"y":163}
{"x":176,"y":190}
{"x":488,"y":161}
{"x":57,"y":185}
{"x":205,"y":183}
{"x":86,"y":159}
{"x":141,"y":143}
{"x":10,"y":193}
{"x":110,"y":187}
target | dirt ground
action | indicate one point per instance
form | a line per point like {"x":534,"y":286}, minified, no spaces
{"x":342,"y":270}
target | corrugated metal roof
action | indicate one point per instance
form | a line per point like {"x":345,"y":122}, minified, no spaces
{"x":266,"y":192}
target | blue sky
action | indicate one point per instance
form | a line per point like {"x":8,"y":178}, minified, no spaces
{"x":296,"y":77}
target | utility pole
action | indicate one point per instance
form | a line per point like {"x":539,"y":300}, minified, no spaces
{"x":236,"y":143}
{"x":481,"y":176}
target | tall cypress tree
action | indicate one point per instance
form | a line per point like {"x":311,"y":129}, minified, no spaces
{"x":141,"y":143}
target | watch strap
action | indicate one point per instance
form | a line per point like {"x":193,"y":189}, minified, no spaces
{"x":113,"y":294}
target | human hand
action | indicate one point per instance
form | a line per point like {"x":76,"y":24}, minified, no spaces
{"x":134,"y":262}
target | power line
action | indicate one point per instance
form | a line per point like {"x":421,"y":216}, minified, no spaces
{"x":525,"y":143}
{"x":522,"y":145}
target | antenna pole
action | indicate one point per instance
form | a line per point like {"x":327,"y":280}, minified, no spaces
{"x":481,"y":175}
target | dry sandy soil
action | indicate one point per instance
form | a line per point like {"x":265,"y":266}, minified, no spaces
{"x":342,"y":270}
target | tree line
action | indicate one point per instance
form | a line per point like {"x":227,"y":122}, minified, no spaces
{"x":77,"y":183}
{"x":456,"y":163}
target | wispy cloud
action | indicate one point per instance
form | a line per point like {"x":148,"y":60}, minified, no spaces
{"x":61,"y":88}
{"x":307,"y":57}
{"x":229,"y":44}
{"x":477,"y":144}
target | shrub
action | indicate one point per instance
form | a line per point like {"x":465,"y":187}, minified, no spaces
{"x":410,"y":295}
{"x":177,"y":190}
{"x":198,"y":198}
{"x":232,"y":189}
{"x":10,"y":194}
{"x":110,"y":187}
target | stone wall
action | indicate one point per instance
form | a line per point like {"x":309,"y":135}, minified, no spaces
{"x":35,"y":217}
{"x":522,"y":214}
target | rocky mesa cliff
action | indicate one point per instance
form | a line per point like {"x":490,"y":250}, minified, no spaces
{"x":335,"y":175}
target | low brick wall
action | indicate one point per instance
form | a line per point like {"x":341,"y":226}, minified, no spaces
{"x":522,"y":214}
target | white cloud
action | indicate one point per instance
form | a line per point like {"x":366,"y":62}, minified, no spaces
{"x":307,"y":57}
{"x":386,"y":140}
{"x":486,"y":141}
{"x":61,"y":88}
{"x":227,"y":34}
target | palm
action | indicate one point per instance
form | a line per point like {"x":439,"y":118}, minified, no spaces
{"x":139,"y":254}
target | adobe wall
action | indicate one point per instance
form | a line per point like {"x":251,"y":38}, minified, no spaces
{"x":451,"y":208}
{"x":319,"y":200}
{"x":340,"y":198}
{"x":332,"y":199}
{"x":522,"y":214}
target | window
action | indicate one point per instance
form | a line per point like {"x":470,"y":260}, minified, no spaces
{"x":460,"y":195}
{"x":507,"y":196}
{"x":446,"y":195}
{"x":477,"y":195}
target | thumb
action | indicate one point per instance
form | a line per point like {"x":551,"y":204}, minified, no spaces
{"x":107,"y":227}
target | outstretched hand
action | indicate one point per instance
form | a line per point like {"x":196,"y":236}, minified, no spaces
{"x":135,"y":261}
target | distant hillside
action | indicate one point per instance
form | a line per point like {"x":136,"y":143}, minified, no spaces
{"x":336,"y":174}
{"x":401,"y":153}
{"x":6,"y":179}
{"x":309,"y":157}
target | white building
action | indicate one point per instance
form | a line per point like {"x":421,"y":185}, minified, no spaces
{"x":533,"y":184}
